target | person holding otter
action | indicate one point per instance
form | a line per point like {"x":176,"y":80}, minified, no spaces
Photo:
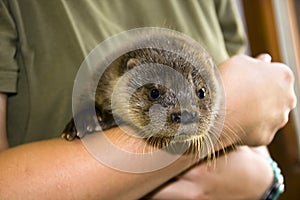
{"x":42,"y":47}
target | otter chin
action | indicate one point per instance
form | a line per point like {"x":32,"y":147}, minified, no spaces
{"x":169,"y":96}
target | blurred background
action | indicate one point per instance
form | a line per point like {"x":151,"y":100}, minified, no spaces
{"x":273,"y":27}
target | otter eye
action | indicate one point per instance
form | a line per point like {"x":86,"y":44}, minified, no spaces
{"x":201,"y":93}
{"x":154,"y":94}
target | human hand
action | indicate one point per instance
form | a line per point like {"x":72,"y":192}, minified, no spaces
{"x":242,"y":174}
{"x":259,"y":97}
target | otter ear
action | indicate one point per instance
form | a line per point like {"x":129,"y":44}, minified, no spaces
{"x":132,"y":62}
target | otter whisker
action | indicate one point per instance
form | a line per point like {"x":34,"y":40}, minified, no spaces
{"x":164,"y":87}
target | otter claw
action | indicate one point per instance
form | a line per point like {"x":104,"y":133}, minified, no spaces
{"x":70,"y":132}
{"x":68,"y":136}
{"x":86,"y":123}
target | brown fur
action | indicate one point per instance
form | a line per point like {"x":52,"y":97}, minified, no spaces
{"x":178,"y":97}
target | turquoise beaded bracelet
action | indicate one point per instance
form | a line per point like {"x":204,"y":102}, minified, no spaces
{"x":277,"y":187}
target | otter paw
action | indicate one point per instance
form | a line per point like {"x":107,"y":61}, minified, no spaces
{"x":70,"y":132}
{"x":86,"y":123}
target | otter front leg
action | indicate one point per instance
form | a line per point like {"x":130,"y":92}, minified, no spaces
{"x":86,"y":123}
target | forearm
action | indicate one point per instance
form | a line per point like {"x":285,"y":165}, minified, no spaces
{"x":241,"y":174}
{"x":251,"y":170}
{"x":57,"y":169}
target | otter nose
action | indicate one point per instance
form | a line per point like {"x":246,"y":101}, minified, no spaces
{"x":184,"y":117}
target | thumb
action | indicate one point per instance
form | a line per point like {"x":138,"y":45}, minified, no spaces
{"x":265,"y":57}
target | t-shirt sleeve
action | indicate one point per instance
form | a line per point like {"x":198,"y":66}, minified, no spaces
{"x":231,"y":25}
{"x":8,"y":47}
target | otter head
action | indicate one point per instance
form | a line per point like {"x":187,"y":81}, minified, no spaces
{"x":166,"y":98}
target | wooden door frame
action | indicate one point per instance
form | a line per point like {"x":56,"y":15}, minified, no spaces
{"x":266,"y":29}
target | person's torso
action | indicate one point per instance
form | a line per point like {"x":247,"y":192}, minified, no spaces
{"x":55,"y":36}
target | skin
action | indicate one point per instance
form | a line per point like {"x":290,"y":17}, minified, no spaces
{"x":215,"y":181}
{"x":3,"y":137}
{"x":273,"y":85}
{"x":57,"y":169}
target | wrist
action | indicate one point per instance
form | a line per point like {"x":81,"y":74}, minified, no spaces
{"x":277,"y":186}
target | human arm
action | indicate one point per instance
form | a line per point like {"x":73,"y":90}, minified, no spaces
{"x":244,"y":173}
{"x":260,"y":97}
{"x":57,"y":169}
{"x":65,"y":170}
{"x":8,"y":67}
{"x":3,"y":137}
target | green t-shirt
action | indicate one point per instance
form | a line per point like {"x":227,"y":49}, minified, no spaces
{"x":43,"y":43}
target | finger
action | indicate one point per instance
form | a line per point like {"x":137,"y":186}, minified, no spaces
{"x":264,"y":57}
{"x":289,"y":81}
{"x":293,"y":101}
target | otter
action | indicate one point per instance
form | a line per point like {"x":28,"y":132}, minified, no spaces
{"x":167,"y":95}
